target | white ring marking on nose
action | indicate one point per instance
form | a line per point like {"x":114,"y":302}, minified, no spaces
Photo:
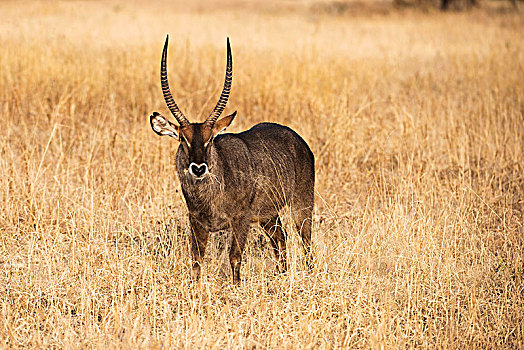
{"x":198,"y":166}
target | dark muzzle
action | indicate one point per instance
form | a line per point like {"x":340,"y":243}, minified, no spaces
{"x":198,"y":170}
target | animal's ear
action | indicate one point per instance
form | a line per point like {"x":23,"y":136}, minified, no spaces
{"x":162,"y":126}
{"x":223,"y":123}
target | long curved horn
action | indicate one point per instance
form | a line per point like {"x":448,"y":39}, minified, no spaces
{"x":222,"y":101}
{"x":171,"y":104}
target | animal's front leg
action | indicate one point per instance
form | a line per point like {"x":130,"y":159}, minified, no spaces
{"x":240,"y":229}
{"x":198,"y":241}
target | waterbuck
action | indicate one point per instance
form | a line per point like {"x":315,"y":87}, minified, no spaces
{"x":230,"y":181}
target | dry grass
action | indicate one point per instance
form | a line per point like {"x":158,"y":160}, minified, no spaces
{"x":417,"y":125}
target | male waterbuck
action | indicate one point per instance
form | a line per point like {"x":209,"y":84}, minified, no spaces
{"x":230,"y":181}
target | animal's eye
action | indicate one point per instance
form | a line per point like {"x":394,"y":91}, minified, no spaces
{"x":184,"y":140}
{"x":208,"y":142}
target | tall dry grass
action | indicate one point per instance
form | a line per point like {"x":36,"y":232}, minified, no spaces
{"x":417,"y":125}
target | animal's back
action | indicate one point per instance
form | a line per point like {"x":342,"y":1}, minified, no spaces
{"x":281,"y":167}
{"x":273,"y":145}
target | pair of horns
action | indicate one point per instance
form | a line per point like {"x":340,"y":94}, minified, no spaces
{"x":222,"y":101}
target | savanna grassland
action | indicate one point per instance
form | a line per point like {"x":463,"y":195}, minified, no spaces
{"x":417,"y":124}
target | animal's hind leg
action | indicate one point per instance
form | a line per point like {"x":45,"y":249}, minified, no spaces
{"x":302,"y":217}
{"x":277,"y":237}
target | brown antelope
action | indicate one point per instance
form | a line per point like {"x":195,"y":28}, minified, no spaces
{"x":232,"y":180}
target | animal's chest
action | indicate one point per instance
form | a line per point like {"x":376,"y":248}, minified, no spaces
{"x":210,"y":207}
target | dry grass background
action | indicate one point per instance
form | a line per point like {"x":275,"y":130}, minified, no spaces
{"x":417,"y":124}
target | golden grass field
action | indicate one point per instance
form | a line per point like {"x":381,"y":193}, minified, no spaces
{"x":416,"y":120}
